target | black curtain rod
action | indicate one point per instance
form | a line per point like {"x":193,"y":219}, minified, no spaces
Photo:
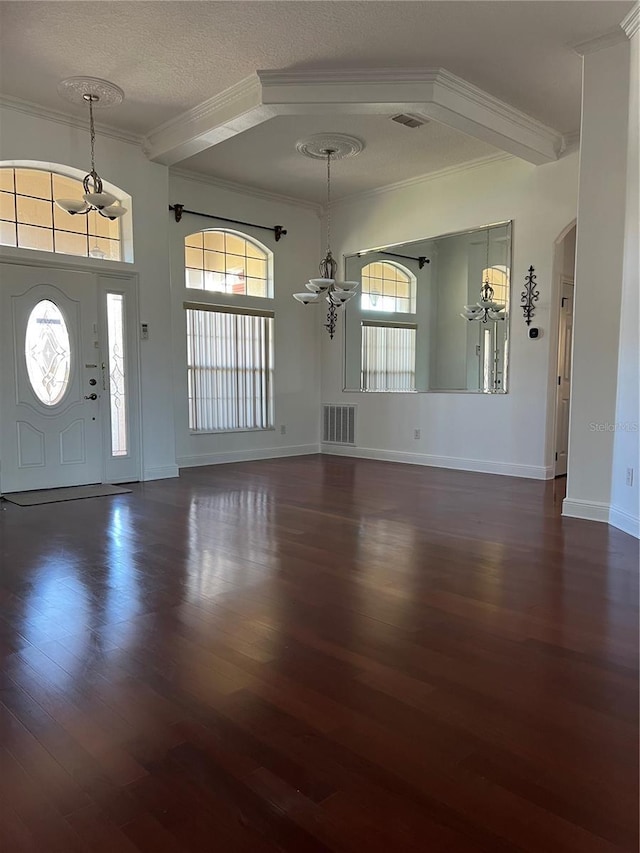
{"x":179,"y":209}
{"x":422,"y":260}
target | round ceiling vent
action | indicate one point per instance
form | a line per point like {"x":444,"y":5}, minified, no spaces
{"x":75,"y":88}
{"x":340,"y":144}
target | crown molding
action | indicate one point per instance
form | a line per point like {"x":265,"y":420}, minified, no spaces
{"x":244,"y":189}
{"x":320,"y":209}
{"x":448,"y":171}
{"x":601,"y":42}
{"x":349,"y":76}
{"x":499,"y":112}
{"x":31,"y":109}
{"x":230,"y":112}
{"x":431,"y":93}
{"x":570,"y":143}
{"x":631,"y":22}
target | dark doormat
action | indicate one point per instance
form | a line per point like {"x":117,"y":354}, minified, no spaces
{"x":70,"y":493}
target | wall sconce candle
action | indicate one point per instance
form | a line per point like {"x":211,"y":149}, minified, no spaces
{"x":528,"y":296}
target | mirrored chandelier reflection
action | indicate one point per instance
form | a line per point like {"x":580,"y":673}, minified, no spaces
{"x":337,"y":293}
{"x":486,"y":308}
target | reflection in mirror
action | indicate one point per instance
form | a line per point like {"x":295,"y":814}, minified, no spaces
{"x":431,"y":315}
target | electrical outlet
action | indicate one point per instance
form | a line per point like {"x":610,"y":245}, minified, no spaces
{"x":283,"y":429}
{"x":629,"y":480}
{"x":416,"y":434}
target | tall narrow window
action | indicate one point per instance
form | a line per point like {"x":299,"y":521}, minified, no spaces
{"x":117,"y":374}
{"x":388,"y":357}
{"x":29,"y":218}
{"x":230,"y":368}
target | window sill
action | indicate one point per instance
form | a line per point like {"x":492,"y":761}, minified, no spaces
{"x":230,"y":431}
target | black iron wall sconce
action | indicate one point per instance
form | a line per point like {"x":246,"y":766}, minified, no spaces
{"x":528,"y":296}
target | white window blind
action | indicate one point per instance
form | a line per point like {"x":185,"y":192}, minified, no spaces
{"x":388,"y":357}
{"x":230,"y":368}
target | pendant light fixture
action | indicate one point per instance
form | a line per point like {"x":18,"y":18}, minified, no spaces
{"x":329,"y":147}
{"x":93,"y":92}
{"x":486,"y":308}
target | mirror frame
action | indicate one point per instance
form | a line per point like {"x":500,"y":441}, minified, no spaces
{"x":507,"y":338}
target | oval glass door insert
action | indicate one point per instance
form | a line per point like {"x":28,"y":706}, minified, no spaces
{"x":47,"y":350}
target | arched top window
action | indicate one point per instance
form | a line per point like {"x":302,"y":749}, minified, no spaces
{"x":227,"y":262}
{"x":498,"y":278}
{"x":30,"y":219}
{"x":388,"y":287}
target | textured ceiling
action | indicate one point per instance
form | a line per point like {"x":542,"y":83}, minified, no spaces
{"x":392,"y":151}
{"x":169,"y":56}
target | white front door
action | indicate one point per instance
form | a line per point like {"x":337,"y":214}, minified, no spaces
{"x":50,"y":379}
{"x":565,"y":336}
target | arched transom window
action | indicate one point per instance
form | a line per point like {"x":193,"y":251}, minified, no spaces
{"x":498,"y":278}
{"x":227,"y":262}
{"x":388,"y":287}
{"x":29,"y":218}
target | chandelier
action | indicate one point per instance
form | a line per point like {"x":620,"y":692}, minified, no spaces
{"x":337,"y":293}
{"x":486,"y":308}
{"x":92,"y":92}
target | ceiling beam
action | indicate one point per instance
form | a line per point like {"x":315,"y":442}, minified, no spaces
{"x":431,"y":93}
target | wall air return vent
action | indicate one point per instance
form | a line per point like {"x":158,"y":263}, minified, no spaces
{"x":408,"y":120}
{"x":338,"y":424}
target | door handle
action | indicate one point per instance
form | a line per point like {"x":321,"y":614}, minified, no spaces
{"x":91,"y":396}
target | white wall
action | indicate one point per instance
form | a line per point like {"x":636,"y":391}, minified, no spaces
{"x":165,"y":439}
{"x":297,"y":329}
{"x":511,"y":433}
{"x":624,"y":499}
{"x":598,"y":281}
{"x":25,"y":136}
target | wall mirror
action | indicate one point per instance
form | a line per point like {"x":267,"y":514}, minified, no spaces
{"x":431,"y":315}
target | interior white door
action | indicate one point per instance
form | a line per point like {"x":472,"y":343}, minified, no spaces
{"x":565,"y":336}
{"x":50,"y":379}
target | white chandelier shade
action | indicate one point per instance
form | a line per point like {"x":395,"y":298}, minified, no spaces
{"x":336,"y":293}
{"x":486,"y":308}
{"x":95,"y":197}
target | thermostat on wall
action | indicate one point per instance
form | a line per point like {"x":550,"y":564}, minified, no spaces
{"x":144,"y":331}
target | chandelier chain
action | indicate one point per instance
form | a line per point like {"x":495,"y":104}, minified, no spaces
{"x":329,"y":153}
{"x":92,"y":131}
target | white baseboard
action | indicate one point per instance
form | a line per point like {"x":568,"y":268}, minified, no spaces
{"x":624,"y":521}
{"x":588,"y":510}
{"x":246,"y":455}
{"x":457,"y":463}
{"x":163,"y":473}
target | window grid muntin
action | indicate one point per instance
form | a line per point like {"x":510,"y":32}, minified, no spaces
{"x":112,"y":245}
{"x":214,"y":264}
{"x":380,"y":288}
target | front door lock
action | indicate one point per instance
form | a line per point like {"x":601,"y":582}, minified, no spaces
{"x":93,"y":396}
{"x":93,"y":382}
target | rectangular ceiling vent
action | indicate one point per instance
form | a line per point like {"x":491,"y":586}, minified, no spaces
{"x":409,"y":121}
{"x":338,"y":424}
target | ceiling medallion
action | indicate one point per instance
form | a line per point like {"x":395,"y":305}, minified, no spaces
{"x":341,"y":145}
{"x":329,"y":147}
{"x":92,"y":92}
{"x":76,"y":90}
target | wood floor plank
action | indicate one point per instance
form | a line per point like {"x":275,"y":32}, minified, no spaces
{"x":318,"y":654}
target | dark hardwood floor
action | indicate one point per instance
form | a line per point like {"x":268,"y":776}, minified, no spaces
{"x":318,"y":654}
